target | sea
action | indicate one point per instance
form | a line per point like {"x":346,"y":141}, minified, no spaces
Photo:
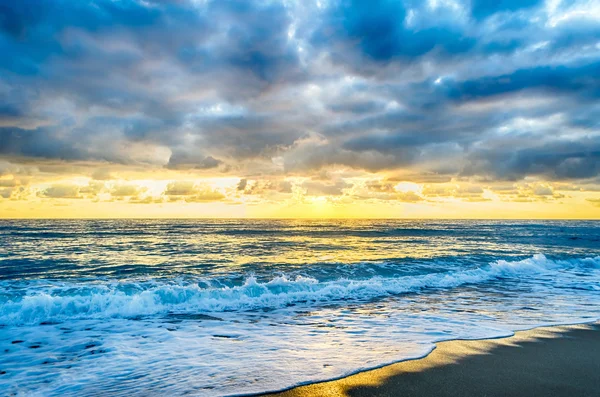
{"x":236,"y":307}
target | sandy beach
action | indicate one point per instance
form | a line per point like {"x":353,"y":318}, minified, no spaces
{"x":548,"y":361}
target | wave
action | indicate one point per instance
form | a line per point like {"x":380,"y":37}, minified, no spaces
{"x":64,"y":301}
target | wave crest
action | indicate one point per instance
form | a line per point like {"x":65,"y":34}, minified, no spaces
{"x":78,"y":301}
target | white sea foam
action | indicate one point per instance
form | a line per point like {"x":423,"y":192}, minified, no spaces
{"x":213,"y":308}
{"x":90,"y":342}
{"x":64,"y":301}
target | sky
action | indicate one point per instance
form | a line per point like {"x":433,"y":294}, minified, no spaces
{"x":300,"y":109}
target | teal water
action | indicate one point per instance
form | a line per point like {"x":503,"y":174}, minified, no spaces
{"x":219,"y":307}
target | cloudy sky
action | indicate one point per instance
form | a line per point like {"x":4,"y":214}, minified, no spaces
{"x":300,"y":108}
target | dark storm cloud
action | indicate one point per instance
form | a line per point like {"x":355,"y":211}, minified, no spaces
{"x":41,"y":142}
{"x":394,"y":132}
{"x":357,"y":107}
{"x":583,"y":79}
{"x":378,"y":28}
{"x":243,"y":136}
{"x":31,"y":27}
{"x":69,"y":144}
{"x":100,"y":55}
{"x":182,"y":160}
{"x":255,"y":40}
{"x":556,"y":160}
{"x":483,"y":89}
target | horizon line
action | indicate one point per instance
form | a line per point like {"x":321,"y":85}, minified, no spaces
{"x":307,"y":218}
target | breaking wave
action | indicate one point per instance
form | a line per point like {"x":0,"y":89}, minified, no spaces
{"x":64,"y":301}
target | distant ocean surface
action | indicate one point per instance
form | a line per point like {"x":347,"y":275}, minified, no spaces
{"x":221,"y":307}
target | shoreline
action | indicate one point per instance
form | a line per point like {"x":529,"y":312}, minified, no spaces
{"x":512,"y":365}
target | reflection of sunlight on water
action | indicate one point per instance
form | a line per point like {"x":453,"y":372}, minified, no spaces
{"x":196,"y":247}
{"x":127,"y":306}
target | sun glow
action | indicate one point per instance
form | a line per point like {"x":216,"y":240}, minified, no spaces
{"x":232,"y":197}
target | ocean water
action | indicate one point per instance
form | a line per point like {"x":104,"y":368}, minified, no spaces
{"x":225,"y":307}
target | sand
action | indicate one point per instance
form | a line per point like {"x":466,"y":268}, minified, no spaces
{"x":549,"y":361}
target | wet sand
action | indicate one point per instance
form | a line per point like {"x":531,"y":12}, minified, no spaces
{"x":549,"y":361}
